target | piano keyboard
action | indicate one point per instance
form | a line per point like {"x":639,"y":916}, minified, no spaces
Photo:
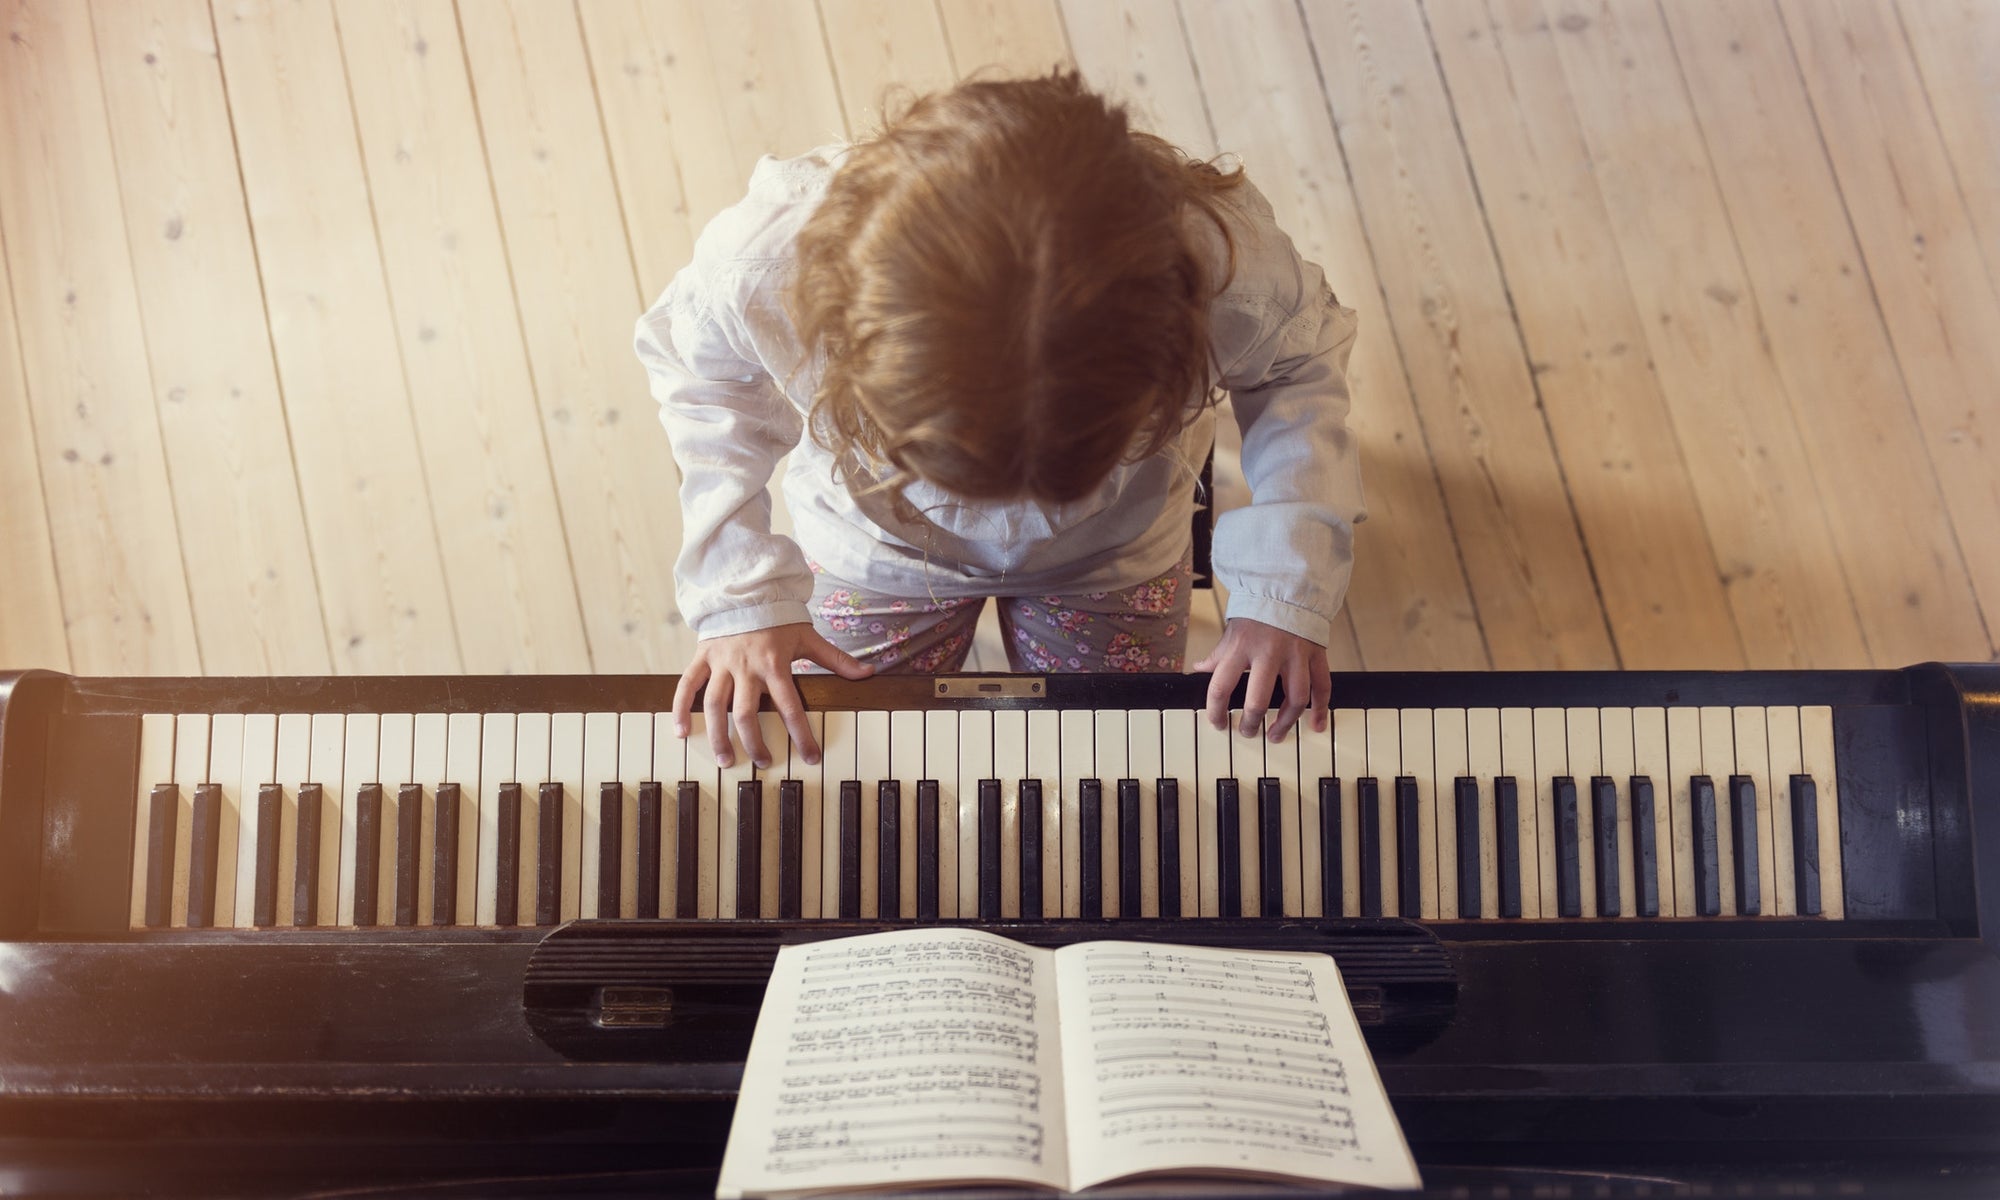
{"x":430,"y":819}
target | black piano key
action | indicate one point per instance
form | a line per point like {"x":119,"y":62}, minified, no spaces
{"x":749,"y":833}
{"x":1228,"y":849}
{"x":1465,"y":795}
{"x":850,"y":848}
{"x":1569,"y":866}
{"x":1604,"y":831}
{"x":305,"y":879}
{"x":1409,"y":850}
{"x":162,"y":828}
{"x":1090,"y":792}
{"x":1369,"y":795}
{"x":927,"y":850}
{"x":444,"y":857}
{"x":1507,"y":843}
{"x":1645,"y":855}
{"x":989,"y":849}
{"x":687,"y":849}
{"x":1167,"y":793}
{"x":610,"y":848}
{"x":409,"y":841}
{"x":889,"y":848}
{"x":1031,"y":849}
{"x":1743,"y":811}
{"x":1332,"y":880}
{"x":507,"y":858}
{"x":367,"y":851}
{"x":1805,"y":844}
{"x":791,"y":847}
{"x":204,"y":843}
{"x":549,"y":856}
{"x":1130,"y":868}
{"x":270,"y":811}
{"x":1270,"y":848}
{"x":1707,"y":867}
{"x":646,"y":888}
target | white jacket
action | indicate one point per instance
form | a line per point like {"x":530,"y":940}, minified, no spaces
{"x":724,"y":363}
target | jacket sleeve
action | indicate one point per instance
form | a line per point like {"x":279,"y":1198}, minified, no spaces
{"x":1287,"y":557}
{"x":729,"y":424}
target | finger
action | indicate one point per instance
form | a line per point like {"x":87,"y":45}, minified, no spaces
{"x":1220,"y":685}
{"x":697,"y":674}
{"x":1298,"y":694}
{"x":1256,"y":698}
{"x":715,"y":705}
{"x":785,"y":696}
{"x":748,"y":731}
{"x":1322,"y":693}
{"x":833,"y":658}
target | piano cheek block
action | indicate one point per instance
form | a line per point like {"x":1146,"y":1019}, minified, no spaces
{"x":689,"y":991}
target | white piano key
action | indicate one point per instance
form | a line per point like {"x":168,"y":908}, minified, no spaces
{"x":706,"y":776}
{"x":294,"y":763}
{"x":1484,"y":763}
{"x":1718,"y":762}
{"x":534,"y":765}
{"x":1385,"y":763}
{"x":727,"y":832}
{"x":635,"y":766}
{"x":1449,"y":763}
{"x":225,"y":769}
{"x":1045,"y":765}
{"x":1650,"y":761}
{"x":600,"y":766}
{"x":1753,"y":758}
{"x":191,"y":732}
{"x":871,"y":757}
{"x":1420,"y":764}
{"x":1817,"y":755}
{"x":1142,"y":733}
{"x":1350,"y":765}
{"x":906,"y":766}
{"x":1684,"y":761}
{"x":975,"y":762}
{"x":1586,"y":762}
{"x":1781,"y":733}
{"x":1079,"y":762}
{"x":327,"y":767}
{"x":392,"y":770}
{"x":1315,"y":764}
{"x":1281,"y":762}
{"x":156,"y":766}
{"x":941,"y":764}
{"x":839,"y":763}
{"x":259,"y":759}
{"x":1551,"y":760}
{"x":566,"y":766}
{"x":1213,"y":761}
{"x":1112,"y":743}
{"x":496,"y":767}
{"x":1010,"y":764}
{"x":361,"y":763}
{"x":669,"y":768}
{"x":1615,"y":741}
{"x":778,"y":740}
{"x":1247,"y":756}
{"x":427,"y":771}
{"x":1179,"y":738}
{"x":462,"y":763}
{"x":1517,"y":760}
{"x":812,"y":821}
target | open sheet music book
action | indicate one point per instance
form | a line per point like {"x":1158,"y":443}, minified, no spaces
{"x":926,"y":1057}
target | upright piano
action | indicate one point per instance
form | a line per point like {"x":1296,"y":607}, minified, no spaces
{"x":1609,"y":934}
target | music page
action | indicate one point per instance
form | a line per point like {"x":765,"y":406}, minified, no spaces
{"x":1182,"y":1058}
{"x":900,"y":1058}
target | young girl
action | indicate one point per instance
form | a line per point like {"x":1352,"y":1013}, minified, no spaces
{"x":990,"y":338}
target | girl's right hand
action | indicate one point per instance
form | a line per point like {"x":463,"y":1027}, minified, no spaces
{"x":740,"y":670}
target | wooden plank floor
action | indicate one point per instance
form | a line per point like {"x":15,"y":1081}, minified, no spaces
{"x":1680,"y":317}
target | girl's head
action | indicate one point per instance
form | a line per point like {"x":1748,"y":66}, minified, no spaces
{"x":1006,"y":293}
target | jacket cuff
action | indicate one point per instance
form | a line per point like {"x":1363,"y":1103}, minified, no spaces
{"x":749,"y":620}
{"x":1300,"y":622}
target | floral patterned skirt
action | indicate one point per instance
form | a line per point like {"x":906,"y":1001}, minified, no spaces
{"x":1142,"y":628}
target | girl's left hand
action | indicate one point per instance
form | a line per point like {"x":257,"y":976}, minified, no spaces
{"x":1269,"y":654}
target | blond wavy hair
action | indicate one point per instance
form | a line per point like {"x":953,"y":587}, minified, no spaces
{"x":1004,"y":294}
